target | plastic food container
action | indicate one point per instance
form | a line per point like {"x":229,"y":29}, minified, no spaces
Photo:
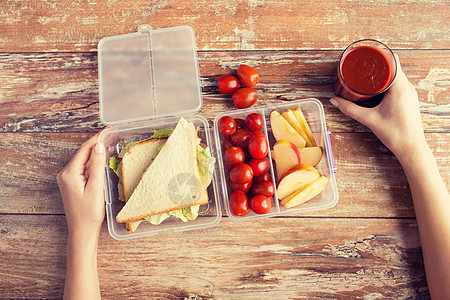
{"x":313,"y":111}
{"x":137,"y":73}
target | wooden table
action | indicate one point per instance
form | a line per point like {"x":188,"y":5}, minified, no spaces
{"x":367,"y":246}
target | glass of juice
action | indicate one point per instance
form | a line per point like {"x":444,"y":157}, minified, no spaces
{"x":366,"y":69}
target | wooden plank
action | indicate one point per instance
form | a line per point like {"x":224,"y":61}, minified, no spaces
{"x":29,"y":165}
{"x":287,"y":258}
{"x":240,"y":25}
{"x":42,"y":92}
{"x":370,"y":180}
{"x":58,"y":92}
{"x":32,"y":264}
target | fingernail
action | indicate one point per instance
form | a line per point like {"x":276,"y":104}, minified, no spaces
{"x":334,"y":102}
{"x":99,"y":148}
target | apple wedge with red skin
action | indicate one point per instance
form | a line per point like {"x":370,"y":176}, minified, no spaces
{"x":295,"y":179}
{"x":286,"y":156}
{"x":307,"y":193}
{"x":308,"y":155}
{"x":282,"y":130}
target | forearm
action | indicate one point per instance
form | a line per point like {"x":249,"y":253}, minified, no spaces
{"x":432,"y":207}
{"x":81,"y":274}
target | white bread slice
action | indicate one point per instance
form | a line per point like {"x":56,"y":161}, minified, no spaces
{"x":134,"y":163}
{"x":171,"y":182}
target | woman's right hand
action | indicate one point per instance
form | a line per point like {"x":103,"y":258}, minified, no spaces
{"x":396,"y":120}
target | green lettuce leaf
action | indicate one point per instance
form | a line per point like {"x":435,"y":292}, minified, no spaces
{"x":114,"y":164}
{"x":162,"y":133}
{"x":184,"y":214}
{"x":157,"y":219}
{"x":205,"y":165}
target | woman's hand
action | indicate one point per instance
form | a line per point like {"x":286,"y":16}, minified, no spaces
{"x":396,"y":120}
{"x":81,"y":184}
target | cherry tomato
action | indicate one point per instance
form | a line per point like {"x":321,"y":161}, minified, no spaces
{"x":245,"y":187}
{"x":247,"y":76}
{"x":241,"y":173}
{"x":228,"y":84}
{"x":265,"y":188}
{"x":239,"y":203}
{"x":261,"y":204}
{"x":258,"y":147}
{"x":240,"y":123}
{"x":254,"y":122}
{"x":264,"y":177}
{"x":227,"y":143}
{"x":244,"y":97}
{"x":233,"y":156}
{"x":259,"y":165}
{"x":226,"y":125}
{"x":241,"y":138}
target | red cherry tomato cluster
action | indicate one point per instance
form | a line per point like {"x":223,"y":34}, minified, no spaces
{"x":245,"y":150}
{"x":242,"y":97}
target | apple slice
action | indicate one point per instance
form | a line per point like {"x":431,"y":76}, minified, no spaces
{"x":311,"y":155}
{"x":302,"y":120}
{"x":307,"y":193}
{"x":286,"y":156}
{"x":308,"y":155}
{"x":290,"y":117}
{"x":282,"y":130}
{"x":295,"y":179}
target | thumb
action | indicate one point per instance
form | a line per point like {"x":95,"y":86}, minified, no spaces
{"x":354,"y":111}
{"x":97,"y":167}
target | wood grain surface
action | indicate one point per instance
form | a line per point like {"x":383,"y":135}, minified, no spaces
{"x":366,"y":247}
{"x":227,"y":25}
{"x":58,"y":92}
{"x":30,"y":162}
{"x":347,"y":258}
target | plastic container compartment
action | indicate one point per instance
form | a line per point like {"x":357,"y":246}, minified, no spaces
{"x":114,"y":139}
{"x":147,"y":81}
{"x":313,"y":111}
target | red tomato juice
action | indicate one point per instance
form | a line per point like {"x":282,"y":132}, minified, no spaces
{"x":366,"y":70}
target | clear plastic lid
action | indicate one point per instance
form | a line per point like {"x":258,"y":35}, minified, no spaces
{"x":147,"y":74}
